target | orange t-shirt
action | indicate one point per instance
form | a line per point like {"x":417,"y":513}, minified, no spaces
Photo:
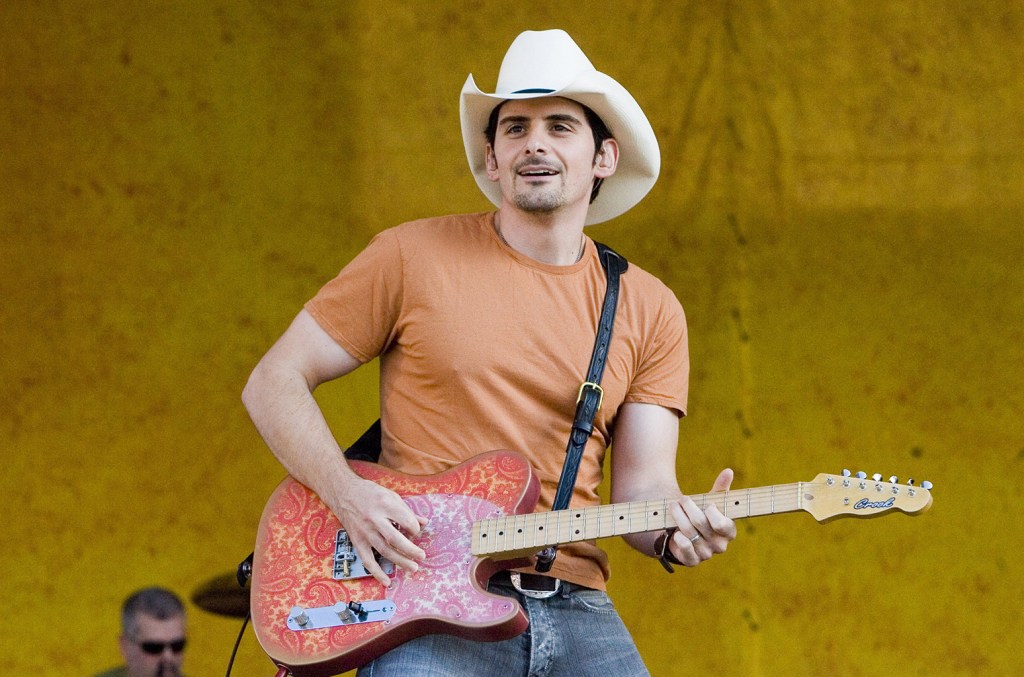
{"x":484,"y":348}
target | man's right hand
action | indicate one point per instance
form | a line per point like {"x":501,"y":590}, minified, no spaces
{"x":377,"y":519}
{"x":279,"y":398}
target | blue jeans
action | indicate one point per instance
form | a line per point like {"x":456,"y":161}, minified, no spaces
{"x":575,"y":633}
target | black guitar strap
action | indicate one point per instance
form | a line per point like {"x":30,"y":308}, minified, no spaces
{"x":590,"y":395}
{"x":367,"y":447}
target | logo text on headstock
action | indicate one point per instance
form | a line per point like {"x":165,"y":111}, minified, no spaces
{"x":865,"y":504}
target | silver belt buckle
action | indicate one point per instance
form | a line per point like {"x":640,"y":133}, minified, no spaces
{"x":516,"y":579}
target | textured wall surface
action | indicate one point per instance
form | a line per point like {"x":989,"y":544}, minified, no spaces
{"x":838,"y":212}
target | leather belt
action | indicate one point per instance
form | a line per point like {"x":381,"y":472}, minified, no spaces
{"x":530,"y":585}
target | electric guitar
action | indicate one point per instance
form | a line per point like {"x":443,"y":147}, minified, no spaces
{"x":317,"y":612}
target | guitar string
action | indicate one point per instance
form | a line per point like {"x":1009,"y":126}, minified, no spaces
{"x":599,"y":521}
{"x":757,"y":501}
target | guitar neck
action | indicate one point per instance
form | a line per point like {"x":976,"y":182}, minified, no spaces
{"x":536,"y":531}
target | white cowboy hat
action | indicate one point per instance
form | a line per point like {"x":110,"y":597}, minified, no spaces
{"x":549,"y":63}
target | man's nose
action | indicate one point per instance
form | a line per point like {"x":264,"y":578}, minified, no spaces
{"x":536,"y":143}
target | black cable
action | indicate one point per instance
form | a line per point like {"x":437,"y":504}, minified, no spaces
{"x":234,"y":652}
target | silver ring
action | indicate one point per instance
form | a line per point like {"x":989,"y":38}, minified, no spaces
{"x":695,"y":538}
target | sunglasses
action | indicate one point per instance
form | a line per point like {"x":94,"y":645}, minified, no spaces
{"x":156,"y":648}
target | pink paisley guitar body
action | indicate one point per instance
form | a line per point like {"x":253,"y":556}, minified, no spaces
{"x":294,"y":567}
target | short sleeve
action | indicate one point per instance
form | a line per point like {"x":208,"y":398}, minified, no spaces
{"x":662,"y":376}
{"x":360,"y":307}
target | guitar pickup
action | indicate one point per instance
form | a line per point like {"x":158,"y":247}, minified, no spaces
{"x":336,"y":615}
{"x":348,"y":564}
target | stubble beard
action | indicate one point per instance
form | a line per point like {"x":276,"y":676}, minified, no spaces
{"x":539,"y":200}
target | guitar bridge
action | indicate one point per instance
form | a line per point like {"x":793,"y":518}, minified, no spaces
{"x":348,"y":564}
{"x":353,"y":613}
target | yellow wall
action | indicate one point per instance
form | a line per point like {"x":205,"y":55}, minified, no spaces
{"x":838,"y":212}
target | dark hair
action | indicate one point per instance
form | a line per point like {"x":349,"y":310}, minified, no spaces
{"x":597,"y":127}
{"x":159,"y":603}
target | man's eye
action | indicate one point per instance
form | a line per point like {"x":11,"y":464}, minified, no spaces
{"x":514,"y":129}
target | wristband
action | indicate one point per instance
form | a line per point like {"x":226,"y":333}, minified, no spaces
{"x":662,"y":552}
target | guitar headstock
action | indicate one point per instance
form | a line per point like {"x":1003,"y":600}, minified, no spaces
{"x":829,"y":497}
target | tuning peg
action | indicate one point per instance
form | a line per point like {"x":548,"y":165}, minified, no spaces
{"x":926,"y":485}
{"x":910,"y":482}
{"x":877,"y":477}
{"x":894,"y":480}
{"x":861,"y":475}
{"x":846,"y":473}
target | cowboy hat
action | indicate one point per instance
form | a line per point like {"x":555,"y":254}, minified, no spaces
{"x":549,"y":63}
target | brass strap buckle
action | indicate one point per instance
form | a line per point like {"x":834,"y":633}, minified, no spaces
{"x":595,"y":386}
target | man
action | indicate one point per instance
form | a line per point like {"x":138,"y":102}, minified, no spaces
{"x":484,"y":325}
{"x":152,"y":635}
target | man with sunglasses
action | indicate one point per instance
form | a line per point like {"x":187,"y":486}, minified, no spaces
{"x":152,"y":635}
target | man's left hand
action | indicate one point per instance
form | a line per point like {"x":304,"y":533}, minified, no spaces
{"x":701,"y":534}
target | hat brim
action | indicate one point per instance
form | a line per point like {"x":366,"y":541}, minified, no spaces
{"x":639,"y":155}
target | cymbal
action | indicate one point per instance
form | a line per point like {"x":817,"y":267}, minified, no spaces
{"x":223,"y":596}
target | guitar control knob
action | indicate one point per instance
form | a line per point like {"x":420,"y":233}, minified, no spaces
{"x":877,"y":477}
{"x":344,"y":613}
{"x":298,"y":614}
{"x":926,"y":485}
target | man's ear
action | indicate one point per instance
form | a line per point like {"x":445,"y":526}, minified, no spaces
{"x":491,"y":163}
{"x":606,"y":159}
